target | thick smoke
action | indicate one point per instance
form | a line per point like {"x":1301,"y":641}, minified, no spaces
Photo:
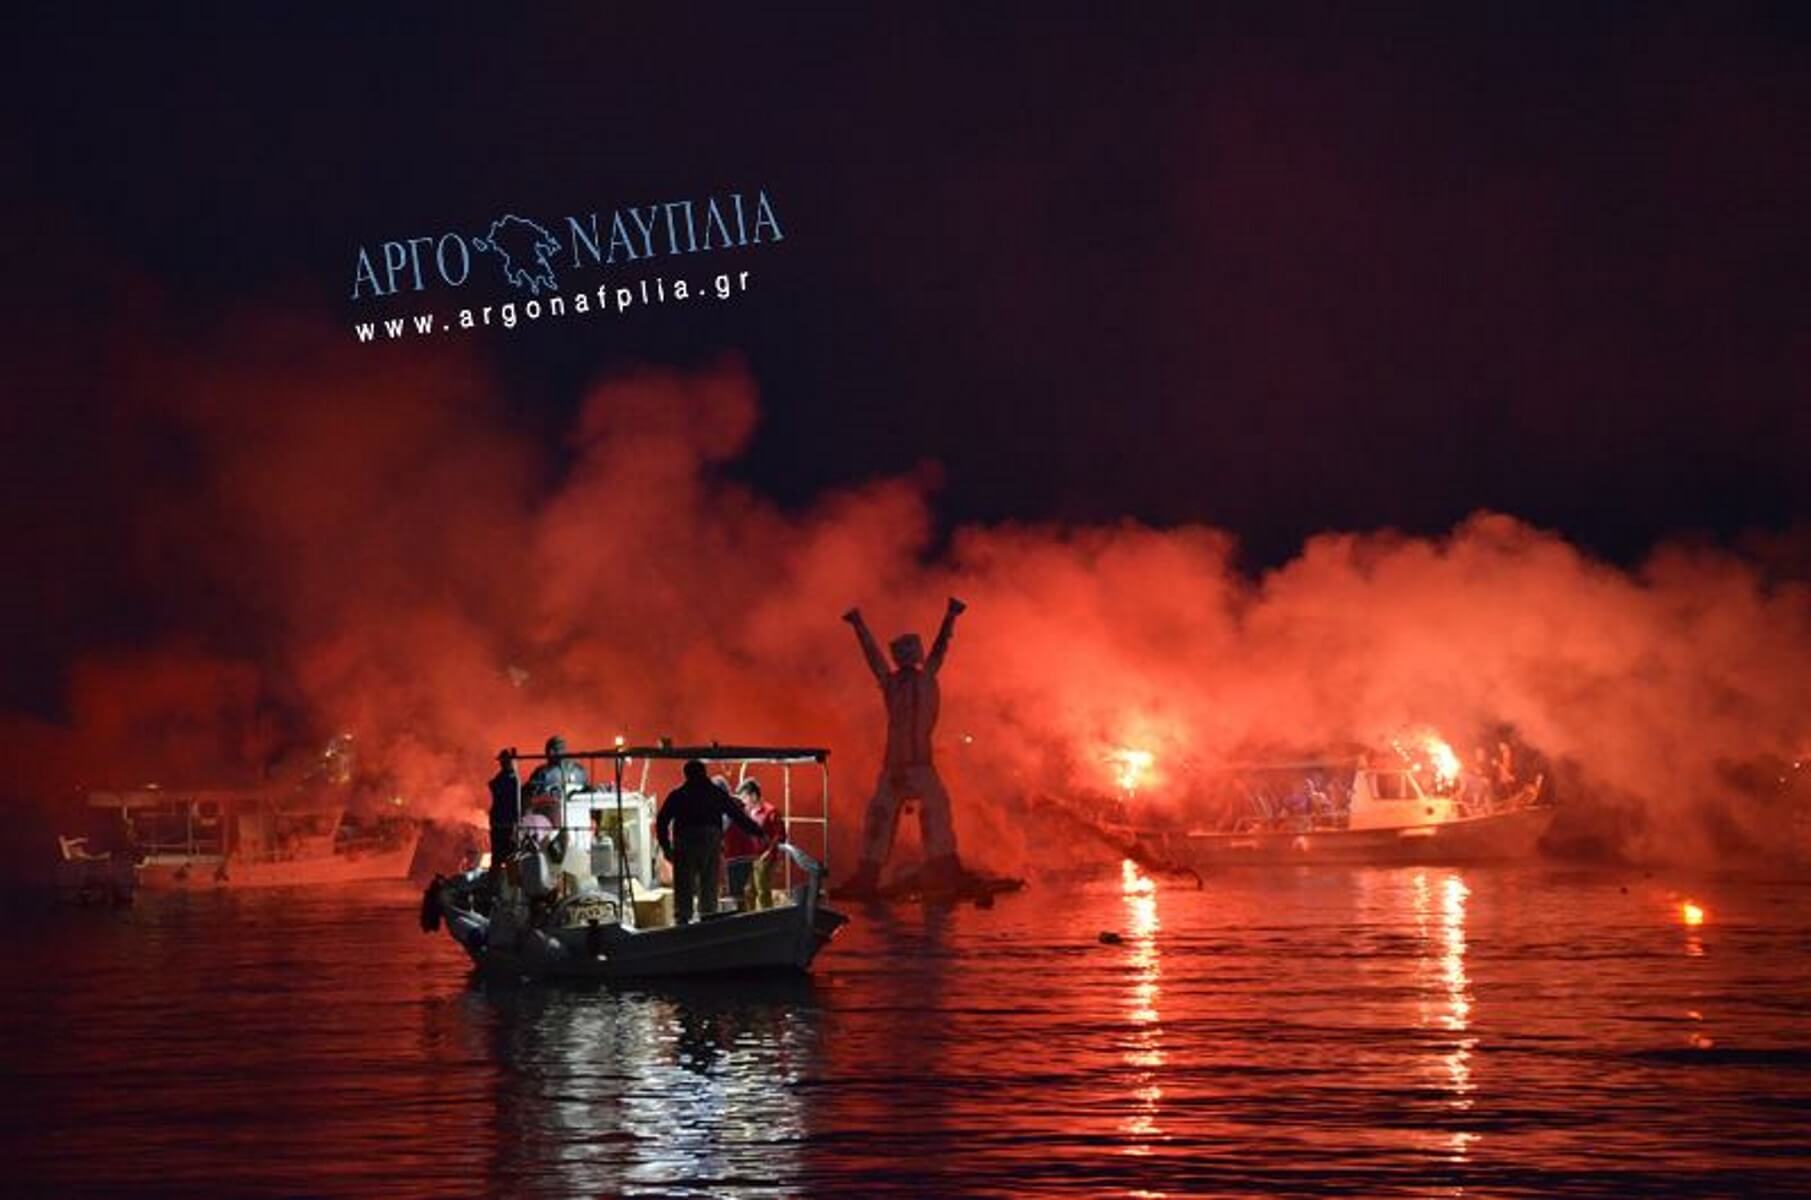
{"x":372,"y":545}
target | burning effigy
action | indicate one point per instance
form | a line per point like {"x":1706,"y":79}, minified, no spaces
{"x":913,"y":701}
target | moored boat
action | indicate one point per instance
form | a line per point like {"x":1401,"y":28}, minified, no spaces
{"x":1352,"y":813}
{"x":205,"y":839}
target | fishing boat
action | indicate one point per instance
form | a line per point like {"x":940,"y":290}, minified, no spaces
{"x":1349,"y":813}
{"x":183,"y":840}
{"x":580,"y":895}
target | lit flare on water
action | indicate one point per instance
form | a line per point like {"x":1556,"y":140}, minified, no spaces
{"x":1132,"y":767}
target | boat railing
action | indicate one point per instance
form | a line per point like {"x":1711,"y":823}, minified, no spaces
{"x":814,"y":871}
{"x":186,"y":848}
{"x":621,"y":756}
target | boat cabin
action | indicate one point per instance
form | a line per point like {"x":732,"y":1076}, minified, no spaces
{"x":1348,"y":794}
{"x":1393,"y":798}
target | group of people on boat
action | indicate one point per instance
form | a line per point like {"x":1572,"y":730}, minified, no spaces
{"x":511,"y":801}
{"x":701,"y":826}
{"x":1490,"y":781}
{"x":1486,"y":784}
{"x":1321,"y":798}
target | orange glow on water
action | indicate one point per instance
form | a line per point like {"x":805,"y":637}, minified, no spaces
{"x":1144,"y":1055}
{"x":1133,"y":882}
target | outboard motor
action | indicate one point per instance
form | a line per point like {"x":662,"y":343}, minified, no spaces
{"x":539,"y":875}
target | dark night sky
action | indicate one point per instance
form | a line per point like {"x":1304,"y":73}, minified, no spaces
{"x":1277,"y":268}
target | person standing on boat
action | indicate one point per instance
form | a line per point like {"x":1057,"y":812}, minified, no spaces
{"x":1503,"y":775}
{"x":748,"y":859}
{"x":912,"y":700}
{"x":505,"y":808}
{"x":558,"y":777}
{"x":1475,"y":786}
{"x":689,"y":827}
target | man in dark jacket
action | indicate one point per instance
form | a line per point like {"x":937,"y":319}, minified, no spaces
{"x":689,"y":826}
{"x":505,"y":808}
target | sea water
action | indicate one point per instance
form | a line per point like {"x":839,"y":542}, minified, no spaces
{"x":1512,"y":1031}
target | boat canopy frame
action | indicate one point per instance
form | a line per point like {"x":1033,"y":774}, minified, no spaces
{"x":784,"y":757}
{"x":714,"y":752}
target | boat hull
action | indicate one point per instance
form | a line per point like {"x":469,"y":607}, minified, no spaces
{"x":1500,"y":836}
{"x":205,"y":873}
{"x":784,"y":939}
{"x":104,"y":880}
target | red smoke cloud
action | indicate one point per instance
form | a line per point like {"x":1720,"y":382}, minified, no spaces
{"x":370,"y":544}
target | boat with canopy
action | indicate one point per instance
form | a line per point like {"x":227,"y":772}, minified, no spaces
{"x":581,"y":893}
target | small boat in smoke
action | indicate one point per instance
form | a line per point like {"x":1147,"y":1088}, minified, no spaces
{"x":1414,"y":804}
{"x":581,"y":896}
{"x":1326,"y":812}
{"x":183,"y":839}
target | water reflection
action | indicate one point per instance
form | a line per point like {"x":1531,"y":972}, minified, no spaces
{"x":1144,"y":1052}
{"x":1302,"y":1033}
{"x":611,"y":1091}
{"x":901,"y":1048}
{"x":1691,"y":916}
{"x":1445,"y":997}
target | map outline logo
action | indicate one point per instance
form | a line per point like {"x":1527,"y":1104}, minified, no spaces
{"x":524,"y":247}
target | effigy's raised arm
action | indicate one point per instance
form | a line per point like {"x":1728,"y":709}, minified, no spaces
{"x":869,"y":647}
{"x":948,"y":630}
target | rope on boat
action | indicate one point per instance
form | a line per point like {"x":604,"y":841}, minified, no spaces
{"x":1130,"y":848}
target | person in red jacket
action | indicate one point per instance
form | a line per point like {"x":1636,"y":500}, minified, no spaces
{"x":750,"y":859}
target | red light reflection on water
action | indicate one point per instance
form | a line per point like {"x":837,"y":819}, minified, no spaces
{"x":1144,"y":1053}
{"x":1446,"y":999}
{"x":1691,"y":916}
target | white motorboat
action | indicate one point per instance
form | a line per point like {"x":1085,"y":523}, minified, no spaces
{"x":1416,"y":805}
{"x":583,"y":898}
{"x":1387,"y":817}
{"x":187,"y":839}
